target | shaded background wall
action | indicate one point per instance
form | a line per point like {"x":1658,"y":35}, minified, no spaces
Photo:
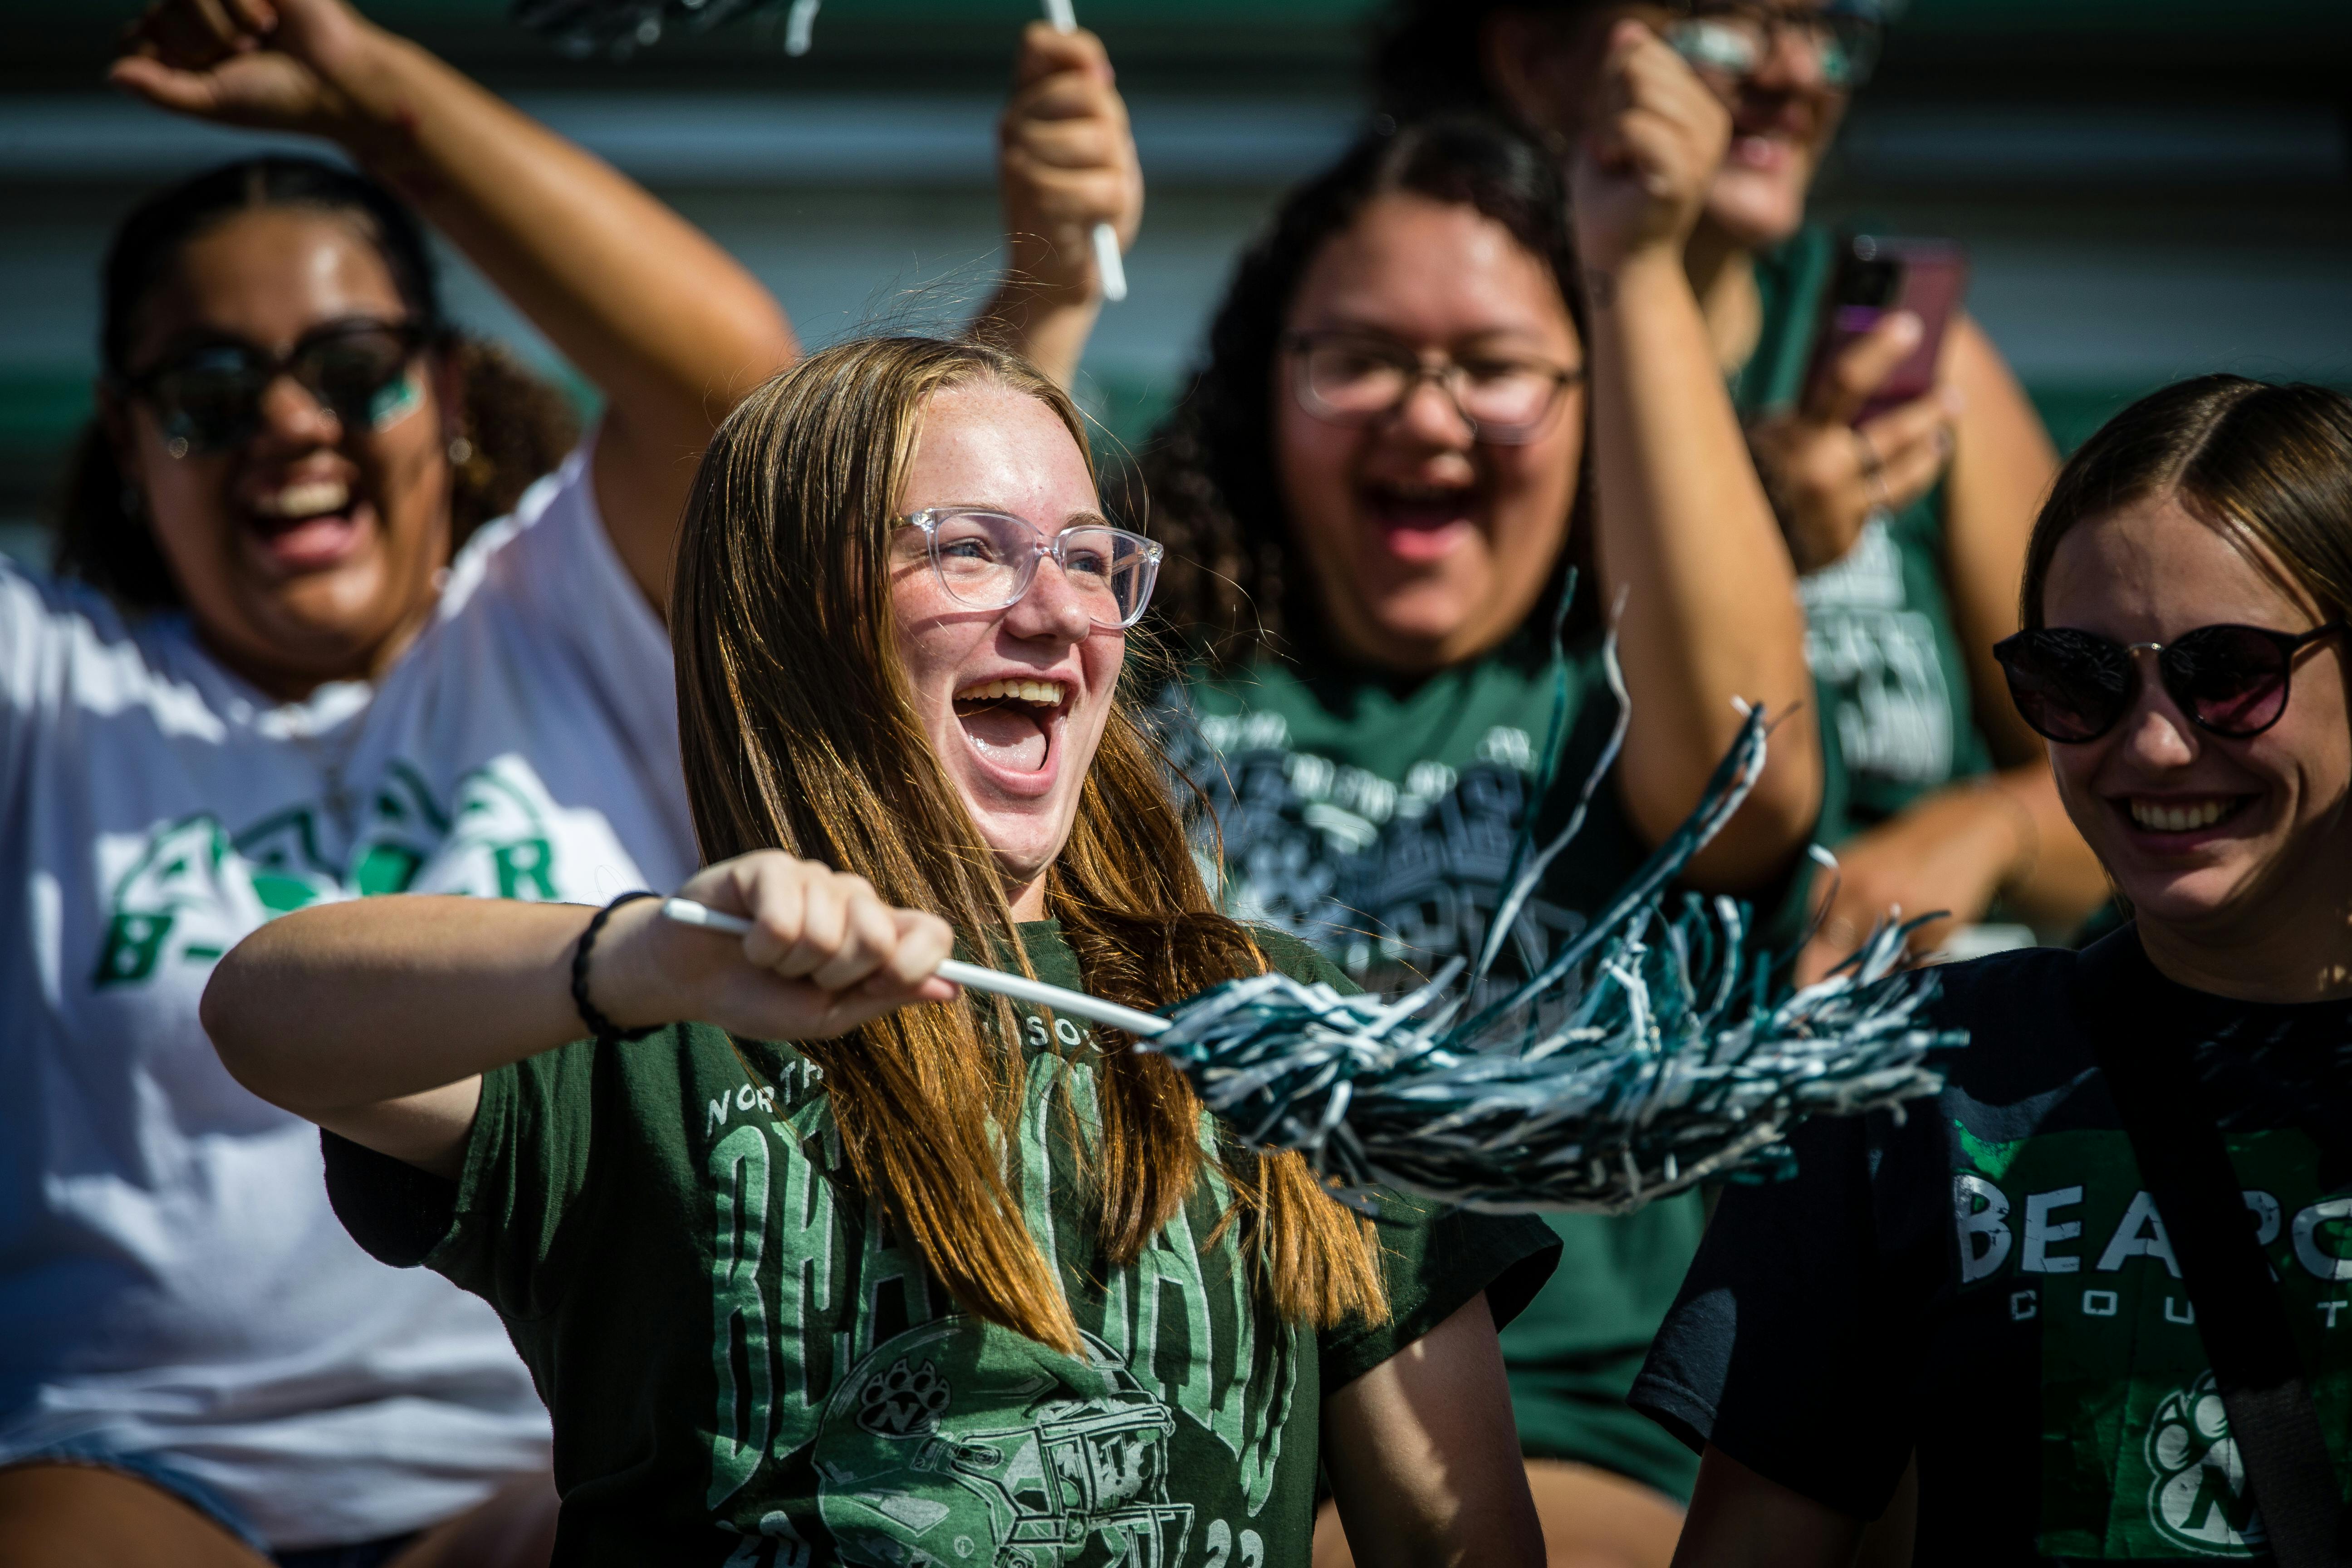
{"x":2150,"y":188}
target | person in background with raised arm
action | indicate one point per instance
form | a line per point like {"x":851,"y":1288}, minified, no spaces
{"x":1425,"y":399}
{"x":290,"y":660}
{"x":1908,"y":529}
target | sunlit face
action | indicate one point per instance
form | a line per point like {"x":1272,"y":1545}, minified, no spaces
{"x":2219,"y":840}
{"x":307,"y":552}
{"x":1428,"y":545}
{"x":1784,"y":113}
{"x":1013,"y":701}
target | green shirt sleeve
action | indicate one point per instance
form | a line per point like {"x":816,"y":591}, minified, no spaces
{"x":1434,"y":1258}
{"x":524,"y":1198}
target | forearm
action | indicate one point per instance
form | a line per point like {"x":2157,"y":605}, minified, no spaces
{"x":666,"y":324}
{"x":1050,"y":325}
{"x":353,"y":1004}
{"x":1686,"y":535}
{"x":1424,"y":1457}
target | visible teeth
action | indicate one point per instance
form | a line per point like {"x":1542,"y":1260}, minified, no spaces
{"x":1043,"y":693}
{"x":2180,"y":816}
{"x":305,"y":498}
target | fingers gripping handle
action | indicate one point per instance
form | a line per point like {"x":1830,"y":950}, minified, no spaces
{"x":1108,"y":266}
{"x":1021,"y":988}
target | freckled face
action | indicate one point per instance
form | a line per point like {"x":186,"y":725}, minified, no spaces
{"x":1428,"y":545}
{"x":2217,"y":838}
{"x":1013,"y":701}
{"x":307,"y":552}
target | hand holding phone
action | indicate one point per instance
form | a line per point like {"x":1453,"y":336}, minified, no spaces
{"x":1876,"y":276}
{"x":1873,"y":431}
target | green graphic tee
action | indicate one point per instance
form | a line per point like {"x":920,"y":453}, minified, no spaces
{"x":1992,"y":1284}
{"x":748,"y":1366}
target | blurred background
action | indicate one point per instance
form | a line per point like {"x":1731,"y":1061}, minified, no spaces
{"x":2150,"y":188}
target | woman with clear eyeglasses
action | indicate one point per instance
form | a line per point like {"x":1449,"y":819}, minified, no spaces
{"x":335,"y":614}
{"x":1908,"y":526}
{"x":2096,"y":1287}
{"x":1425,"y":401}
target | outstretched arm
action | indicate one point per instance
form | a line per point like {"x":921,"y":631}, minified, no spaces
{"x":1685,"y":532}
{"x":1065,"y":162}
{"x":668,"y":326}
{"x":1424,"y":1459}
{"x":376,"y":1018}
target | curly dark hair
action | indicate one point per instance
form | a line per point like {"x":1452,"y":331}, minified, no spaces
{"x":1231,"y":583}
{"x":1425,"y":53}
{"x":518,"y":425}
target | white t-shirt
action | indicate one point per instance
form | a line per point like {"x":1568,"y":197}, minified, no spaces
{"x":171,"y":1275}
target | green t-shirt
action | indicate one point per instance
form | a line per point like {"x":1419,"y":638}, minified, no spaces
{"x":1377,"y":820}
{"x":749,"y":1367}
{"x":1898,"y":719}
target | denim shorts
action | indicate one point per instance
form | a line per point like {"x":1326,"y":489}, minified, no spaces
{"x":157,"y":1469}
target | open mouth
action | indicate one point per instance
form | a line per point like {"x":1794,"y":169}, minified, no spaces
{"x":2184,"y":815}
{"x":305,"y":523}
{"x":1012,"y":722}
{"x":1419,"y":522}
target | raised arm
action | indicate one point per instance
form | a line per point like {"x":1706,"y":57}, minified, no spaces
{"x":1065,"y":162}
{"x":1685,"y":532}
{"x":669,"y":326}
{"x":376,"y":1018}
{"x":1424,"y":1459}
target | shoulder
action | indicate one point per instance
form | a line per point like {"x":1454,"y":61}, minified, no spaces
{"x":562,"y":503}
{"x":1300,"y":961}
{"x":2019,"y":1009}
{"x":63,"y":644}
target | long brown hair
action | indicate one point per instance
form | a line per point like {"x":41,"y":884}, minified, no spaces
{"x":2261,"y":462}
{"x":800,"y":733}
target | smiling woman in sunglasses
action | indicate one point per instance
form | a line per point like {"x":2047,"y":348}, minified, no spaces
{"x":295,"y":653}
{"x":2099,"y":1289}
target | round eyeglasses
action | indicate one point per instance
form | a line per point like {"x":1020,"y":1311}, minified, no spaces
{"x":988,"y":560}
{"x":1734,"y":37}
{"x":2074,"y":686}
{"x":1355,"y":378}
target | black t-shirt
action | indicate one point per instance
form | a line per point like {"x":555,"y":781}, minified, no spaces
{"x":1989,"y":1283}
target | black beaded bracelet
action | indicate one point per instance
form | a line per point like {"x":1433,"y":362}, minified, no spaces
{"x":601,"y":1028}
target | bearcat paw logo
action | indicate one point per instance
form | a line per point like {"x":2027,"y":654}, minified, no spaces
{"x":903,"y":1401}
{"x":2200,"y":1499}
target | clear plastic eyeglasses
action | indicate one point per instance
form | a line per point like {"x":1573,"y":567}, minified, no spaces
{"x":1356,"y":378}
{"x":1734,"y":37}
{"x":988,"y":560}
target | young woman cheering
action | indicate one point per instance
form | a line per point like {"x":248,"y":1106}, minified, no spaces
{"x":852,"y":1270}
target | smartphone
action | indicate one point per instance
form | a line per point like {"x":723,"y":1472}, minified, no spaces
{"x":1876,"y":275}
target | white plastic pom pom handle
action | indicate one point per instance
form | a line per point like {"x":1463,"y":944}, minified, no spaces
{"x":1108,"y":264}
{"x":1020,"y":987}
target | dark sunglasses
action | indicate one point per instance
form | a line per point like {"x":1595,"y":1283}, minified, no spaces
{"x":208,"y":396}
{"x":2073,"y":686}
